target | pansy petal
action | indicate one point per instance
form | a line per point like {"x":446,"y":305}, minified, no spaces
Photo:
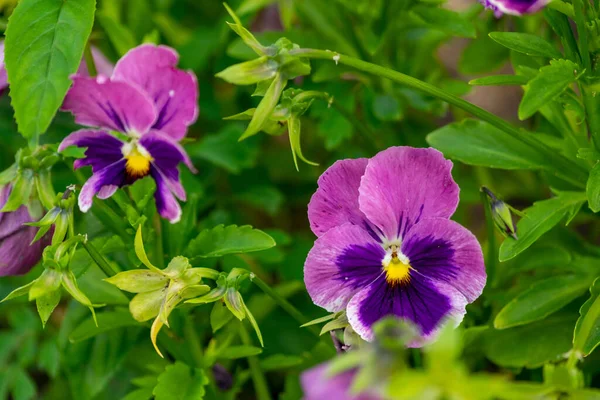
{"x":112,"y":175}
{"x":445,"y":251}
{"x":103,"y":149}
{"x":342,"y":261}
{"x":3,"y":73}
{"x":175,"y":94}
{"x":318,"y":384}
{"x":159,"y":142}
{"x":102,"y":64}
{"x":422,"y":302}
{"x":118,"y":106}
{"x":166,"y":204}
{"x":515,"y":7}
{"x":336,"y":200}
{"x":402,"y":185}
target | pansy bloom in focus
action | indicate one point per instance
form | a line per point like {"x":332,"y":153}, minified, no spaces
{"x":150,"y":103}
{"x":386,"y":245}
{"x":514,"y":7}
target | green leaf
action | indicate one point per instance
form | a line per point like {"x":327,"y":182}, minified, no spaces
{"x":549,"y":83}
{"x":107,"y":321}
{"x":530,"y":345}
{"x":265,"y":107}
{"x":44,"y":46}
{"x":140,"y":252}
{"x":120,"y":36}
{"x":593,"y":188}
{"x":46,"y":305}
{"x":482,"y":55}
{"x":526,"y":43}
{"x":233,"y":352}
{"x":23,"y":387}
{"x":478,"y":143}
{"x":540,"y":300}
{"x":499,"y":80}
{"x":221,"y":240}
{"x":277,"y":362}
{"x":219,"y":316}
{"x":49,"y":358}
{"x":445,"y":20}
{"x":539,"y":219}
{"x":180,"y":382}
{"x":587,"y":330}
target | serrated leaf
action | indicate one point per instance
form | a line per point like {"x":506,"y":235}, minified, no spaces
{"x":44,"y":45}
{"x":180,"y":382}
{"x":221,"y":240}
{"x":539,"y":219}
{"x":478,"y":143}
{"x":587,"y":330}
{"x":549,"y":83}
{"x":540,"y":300}
{"x":525,"y":43}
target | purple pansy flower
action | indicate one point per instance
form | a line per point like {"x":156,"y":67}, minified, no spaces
{"x":386,"y":245}
{"x":514,"y":7}
{"x":17,"y":256}
{"x":317,"y":384}
{"x":150,"y":101}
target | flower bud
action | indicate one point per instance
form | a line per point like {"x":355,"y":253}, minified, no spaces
{"x":250,"y":72}
{"x":501,"y":214}
{"x":60,"y":217}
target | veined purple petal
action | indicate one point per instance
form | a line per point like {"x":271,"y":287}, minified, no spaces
{"x":343,"y":261}
{"x":514,"y":7}
{"x":166,"y":204}
{"x":174,"y":92}
{"x":103,"y":103}
{"x":403,"y":185}
{"x":157,"y":141}
{"x":103,"y":149}
{"x":336,"y":200}
{"x":317,"y":384}
{"x":423,"y":302}
{"x":112,"y":175}
{"x":444,"y":251}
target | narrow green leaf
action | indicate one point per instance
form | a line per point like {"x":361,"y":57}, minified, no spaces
{"x":540,"y":300}
{"x":277,"y":362}
{"x":107,"y":321}
{"x":500,"y":80}
{"x":445,"y":20}
{"x":221,"y":240}
{"x":233,"y":352}
{"x":539,"y":219}
{"x":120,"y":36}
{"x":44,"y":45}
{"x":140,"y":252}
{"x":587,"y":330}
{"x":526,"y":43}
{"x":549,"y":83}
{"x":593,"y":188}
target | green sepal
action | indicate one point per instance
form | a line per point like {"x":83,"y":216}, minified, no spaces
{"x":21,"y":191}
{"x":250,"y":72}
{"x":266,"y":107}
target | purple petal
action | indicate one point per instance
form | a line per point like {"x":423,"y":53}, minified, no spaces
{"x":103,"y":103}
{"x":342,"y":261}
{"x":175,"y":92}
{"x":336,"y":200}
{"x":317,"y":384}
{"x":445,"y":251}
{"x":423,"y":302}
{"x":159,"y":141}
{"x":3,"y":73}
{"x":402,"y":185}
{"x":103,"y":149}
{"x":514,"y":7}
{"x":112,"y":175}
{"x":103,"y":65}
{"x":166,"y":204}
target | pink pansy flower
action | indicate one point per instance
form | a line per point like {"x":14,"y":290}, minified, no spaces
{"x":514,"y":7}
{"x":318,"y":384}
{"x":152,"y":103}
{"x":386,"y":245}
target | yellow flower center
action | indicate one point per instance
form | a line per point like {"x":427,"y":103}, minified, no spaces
{"x":138,"y":162}
{"x":397,"y":268}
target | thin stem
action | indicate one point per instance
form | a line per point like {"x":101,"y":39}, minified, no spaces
{"x":89,"y":60}
{"x":283,"y":303}
{"x":565,"y":168}
{"x":99,"y":259}
{"x":260,"y":382}
{"x":492,"y":253}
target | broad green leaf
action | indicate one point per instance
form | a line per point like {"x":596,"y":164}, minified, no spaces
{"x":478,"y":143}
{"x":539,"y":219}
{"x":180,"y":382}
{"x":44,"y":45}
{"x":549,"y":83}
{"x":221,"y":240}
{"x":542,"y":299}
{"x":106,"y":321}
{"x":525,"y":43}
{"x":593,"y":188}
{"x":445,"y":20}
{"x":500,"y":80}
{"x":587,"y":330}
{"x":233,"y":352}
{"x":530,"y":345}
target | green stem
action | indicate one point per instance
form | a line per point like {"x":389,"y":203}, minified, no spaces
{"x":565,"y":168}
{"x":492,"y":253}
{"x":260,"y":382}
{"x":283,"y":303}
{"x":89,"y":60}
{"x":104,"y":265}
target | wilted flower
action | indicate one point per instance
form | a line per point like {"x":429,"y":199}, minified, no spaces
{"x":151,"y":102}
{"x":514,"y":7}
{"x":386,"y":245}
{"x":17,"y":254}
{"x":318,"y":383}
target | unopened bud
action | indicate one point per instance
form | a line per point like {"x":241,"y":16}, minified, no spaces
{"x":501,"y":214}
